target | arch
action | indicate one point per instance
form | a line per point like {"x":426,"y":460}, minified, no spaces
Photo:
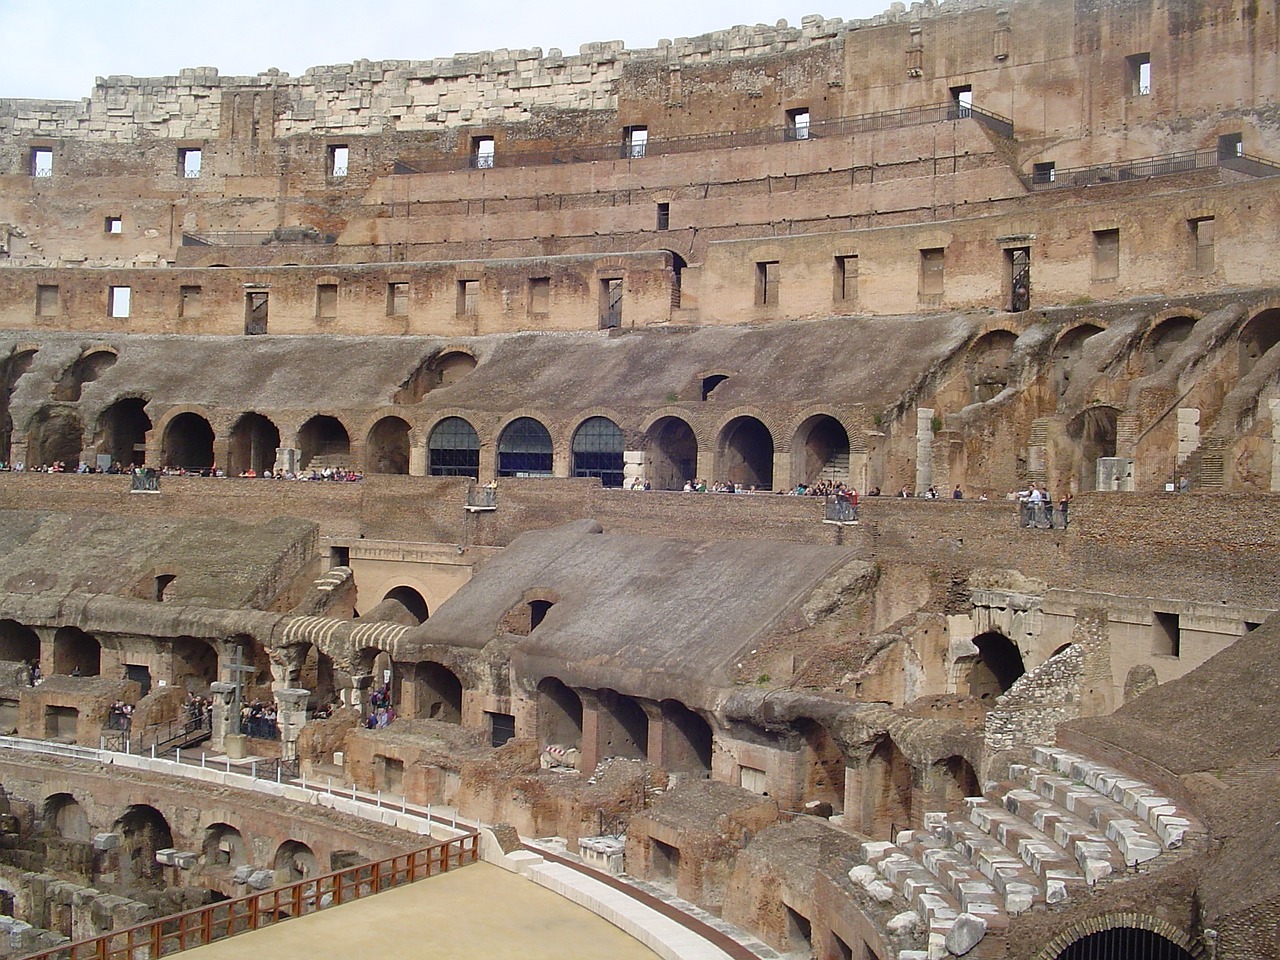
{"x":187,"y":443}
{"x":671,"y":453}
{"x":1066,"y":353}
{"x":598,"y":446}
{"x":64,"y":816}
{"x":54,"y":434}
{"x":88,"y":367}
{"x":825,"y":762}
{"x":889,"y":794}
{"x":143,"y":830}
{"x":1124,"y":935}
{"x":996,"y":667}
{"x":1257,"y":337}
{"x":820,"y":451}
{"x":959,"y":780}
{"x":254,"y":443}
{"x":559,"y":714}
{"x":195,"y":664}
{"x":437,"y":692}
{"x":76,"y":652}
{"x":1163,"y":340}
{"x":624,"y":727}
{"x":989,"y":364}
{"x":224,"y":846}
{"x":438,"y":370}
{"x":744,"y":453}
{"x":294,"y":861}
{"x":387,"y":447}
{"x":411,"y":600}
{"x":524,"y":449}
{"x":1094,"y":433}
{"x":317,"y":675}
{"x":18,"y":643}
{"x":122,"y":431}
{"x":686,"y":740}
{"x":453,"y":449}
{"x":710,"y":382}
{"x":325,"y":438}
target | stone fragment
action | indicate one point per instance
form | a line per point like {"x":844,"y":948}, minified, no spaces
{"x":966,"y":934}
{"x":1055,"y":891}
{"x":106,"y":841}
{"x":261,"y":879}
{"x":904,"y":923}
{"x":881,"y":891}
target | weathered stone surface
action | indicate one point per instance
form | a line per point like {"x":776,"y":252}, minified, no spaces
{"x":966,"y":934}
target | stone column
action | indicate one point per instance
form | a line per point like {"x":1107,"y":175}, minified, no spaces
{"x":357,"y":694}
{"x":221,"y":693}
{"x":707,"y":465}
{"x":590,"y":732}
{"x":782,"y":478}
{"x":924,"y":449}
{"x":418,"y":460}
{"x":291,"y":717}
{"x":488,"y":462}
{"x":1189,"y":432}
{"x":1275,"y":445}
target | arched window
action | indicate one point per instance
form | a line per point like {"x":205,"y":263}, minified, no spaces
{"x":524,"y":449}
{"x":597,"y":451}
{"x":454,"y":449}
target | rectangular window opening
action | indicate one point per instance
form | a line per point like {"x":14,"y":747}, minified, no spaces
{"x":767,"y":273}
{"x":256,"y":310}
{"x":339,"y":155}
{"x":799,"y":931}
{"x":635,"y":141}
{"x":610,"y":302}
{"x":189,"y":159}
{"x":326,"y":301}
{"x":1202,"y":231}
{"x":502,"y":727}
{"x":189,"y":302}
{"x":932,"y":275}
{"x":482,"y":152}
{"x":114,"y":225}
{"x":664,"y":216}
{"x":1106,"y":254}
{"x":42,"y":161}
{"x":1166,"y":634}
{"x":1044,"y":173}
{"x":1230,"y":145}
{"x":119,"y":301}
{"x":1139,"y":69}
{"x":753,"y":780}
{"x":846,"y":278}
{"x":798,"y":124}
{"x":47,"y":300}
{"x":539,"y":296}
{"x":468,"y":297}
{"x":665,"y":860}
{"x":962,"y":97}
{"x":398,"y":299}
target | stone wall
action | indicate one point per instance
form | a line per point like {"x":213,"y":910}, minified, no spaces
{"x":1030,"y":711}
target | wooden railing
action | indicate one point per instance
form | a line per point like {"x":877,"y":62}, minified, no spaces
{"x":196,"y":928}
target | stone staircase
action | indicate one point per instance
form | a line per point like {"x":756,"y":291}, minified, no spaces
{"x":1051,"y":830}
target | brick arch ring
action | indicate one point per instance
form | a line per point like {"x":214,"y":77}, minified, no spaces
{"x":1114,"y":921}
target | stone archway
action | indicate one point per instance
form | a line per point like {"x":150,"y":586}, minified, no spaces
{"x":453,"y":449}
{"x":54,"y":435}
{"x":143,"y":830}
{"x":744,"y":454}
{"x":1094,"y":433}
{"x":624,"y":727}
{"x":122,"y":432}
{"x":671,"y":454}
{"x":824,"y":764}
{"x":323,"y":439}
{"x":995,"y":668}
{"x":820,"y":451}
{"x":524,"y":449}
{"x":255,"y":441}
{"x":387,"y":448}
{"x":1257,"y":337}
{"x":686,"y":740}
{"x":598,"y":449}
{"x":888,"y":793}
{"x":76,"y":652}
{"x":187,"y":443}
{"x":294,"y":861}
{"x":437,"y":692}
{"x":559,"y":714}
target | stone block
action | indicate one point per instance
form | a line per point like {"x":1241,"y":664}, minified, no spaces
{"x":904,"y":924}
{"x":166,"y":856}
{"x":863,"y":874}
{"x":261,"y":879}
{"x":1055,"y":891}
{"x":966,"y":934}
{"x":881,"y":891}
{"x":185,"y":859}
{"x":242,"y":874}
{"x":106,"y":841}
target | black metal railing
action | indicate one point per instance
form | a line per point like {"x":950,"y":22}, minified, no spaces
{"x":144,"y":480}
{"x":841,"y":510}
{"x":483,"y":497}
{"x":653,"y":147}
{"x":1146,"y":167}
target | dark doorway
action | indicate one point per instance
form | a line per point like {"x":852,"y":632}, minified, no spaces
{"x":324,"y":442}
{"x":746,"y":454}
{"x":672,"y":455}
{"x":387,"y":449}
{"x":1018,"y":260}
{"x":254,"y":442}
{"x":122,"y":432}
{"x":188,"y":443}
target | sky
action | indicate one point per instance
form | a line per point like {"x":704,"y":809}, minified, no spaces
{"x":53,"y":49}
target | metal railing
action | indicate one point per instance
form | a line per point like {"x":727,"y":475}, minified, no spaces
{"x":840,"y":510}
{"x":144,"y":480}
{"x":1141,"y":169}
{"x":483,"y":497}
{"x":653,"y":147}
{"x":196,"y":928}
{"x":1042,"y":516}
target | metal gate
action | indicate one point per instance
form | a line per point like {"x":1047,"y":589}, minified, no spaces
{"x":1020,"y":279}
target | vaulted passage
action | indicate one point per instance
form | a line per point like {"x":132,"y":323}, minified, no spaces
{"x":18,"y":643}
{"x":85,"y":370}
{"x":624,"y":727}
{"x":745,"y":454}
{"x":254,"y":442}
{"x":122,"y":432}
{"x":411,"y":600}
{"x":76,"y":652}
{"x":686,"y":740}
{"x":671,"y":456}
{"x":64,"y":816}
{"x":143,"y":830}
{"x":524,"y":449}
{"x":996,"y":667}
{"x":820,"y":451}
{"x":224,"y":846}
{"x":294,"y":861}
{"x":55,"y":434}
{"x":188,"y":443}
{"x":1124,"y":943}
{"x":453,"y":449}
{"x":387,"y":449}
{"x":324,"y":443}
{"x":825,"y":765}
{"x":1258,"y":337}
{"x":559,"y":714}
{"x":1094,"y":432}
{"x":888,"y":791}
{"x":597,"y":451}
{"x":437,"y":692}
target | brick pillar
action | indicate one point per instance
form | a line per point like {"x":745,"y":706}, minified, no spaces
{"x":591,"y":732}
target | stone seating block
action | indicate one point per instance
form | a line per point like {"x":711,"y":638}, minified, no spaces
{"x":166,"y":856}
{"x":106,"y":841}
{"x":863,"y":874}
{"x":876,"y":850}
{"x":1144,"y":806}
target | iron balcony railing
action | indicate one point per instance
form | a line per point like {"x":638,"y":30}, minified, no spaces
{"x":653,"y":147}
{"x":1146,"y":167}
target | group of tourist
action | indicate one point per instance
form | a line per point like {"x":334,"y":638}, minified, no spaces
{"x":1035,"y":508}
{"x":823,"y":488}
{"x":717,"y":486}
{"x":328,"y":473}
{"x":381,"y":712}
{"x":120,"y":716}
{"x":199,"y":711}
{"x":258,"y":720}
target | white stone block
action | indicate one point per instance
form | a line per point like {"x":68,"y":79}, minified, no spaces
{"x":966,"y":934}
{"x":863,"y":874}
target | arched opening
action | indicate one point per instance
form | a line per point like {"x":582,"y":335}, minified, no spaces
{"x":671,"y":454}
{"x":452,"y":365}
{"x":745,"y":454}
{"x":1258,"y":336}
{"x":294,"y":861}
{"x":387,"y":449}
{"x":64,"y":816}
{"x":890,"y":786}
{"x":1163,"y":342}
{"x":195,"y":665}
{"x":597,"y":451}
{"x":143,"y":830}
{"x":559,"y":714}
{"x":686,"y":740}
{"x":453,"y":449}
{"x":254,"y":443}
{"x":820,"y":451}
{"x":54,"y":434}
{"x":434,"y":372}
{"x":324,"y":442}
{"x":958,"y":780}
{"x":224,"y":846}
{"x":1066,"y":354}
{"x":989,"y":364}
{"x":76,"y":653}
{"x":85,"y":370}
{"x":1131,"y":943}
{"x":411,"y":600}
{"x":825,"y":764}
{"x":995,"y":668}
{"x":122,"y":432}
{"x":710,"y":383}
{"x":12,"y":368}
{"x":538,"y":610}
{"x":524,"y":449}
{"x":18,"y":643}
{"x":317,"y":675}
{"x":437,"y":692}
{"x":187,"y":443}
{"x":624,"y":727}
{"x":1094,"y":433}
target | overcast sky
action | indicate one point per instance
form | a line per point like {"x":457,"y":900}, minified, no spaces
{"x":53,"y":49}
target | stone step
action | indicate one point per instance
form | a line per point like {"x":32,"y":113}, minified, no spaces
{"x":1029,"y":819}
{"x":1170,"y":823}
{"x":1024,"y":855}
{"x":963,"y":880}
{"x":891,"y":868}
